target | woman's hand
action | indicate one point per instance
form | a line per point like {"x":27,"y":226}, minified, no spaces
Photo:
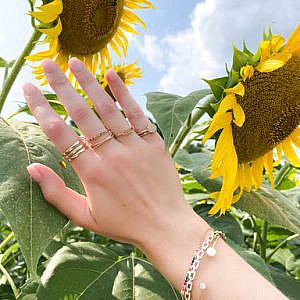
{"x":132,"y":186}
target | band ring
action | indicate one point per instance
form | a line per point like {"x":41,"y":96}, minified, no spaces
{"x":150,"y":129}
{"x":76,"y":149}
{"x":125,"y":132}
{"x":100,"y":138}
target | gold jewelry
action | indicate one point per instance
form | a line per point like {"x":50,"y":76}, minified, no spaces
{"x":125,"y":132}
{"x":76,"y":149}
{"x":151,"y":128}
{"x":100,"y":138}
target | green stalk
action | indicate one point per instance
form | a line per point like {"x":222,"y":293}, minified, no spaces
{"x":10,"y":281}
{"x":264,"y":242}
{"x":282,"y":174}
{"x":188,"y":125}
{"x":17,"y":67}
{"x":281,"y":244}
{"x":6,"y":241}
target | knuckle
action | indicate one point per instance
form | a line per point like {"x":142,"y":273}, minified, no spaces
{"x":87,"y":80}
{"x":92,"y":173}
{"x":58,"y":82}
{"x":79,"y":112}
{"x":54,"y":128}
{"x":120,"y":158}
{"x":135,"y":113}
{"x":107,"y":108}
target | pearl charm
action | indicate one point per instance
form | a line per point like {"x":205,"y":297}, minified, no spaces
{"x":211,"y":251}
{"x":203,"y":286}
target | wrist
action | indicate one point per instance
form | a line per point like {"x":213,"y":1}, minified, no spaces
{"x":172,"y":246}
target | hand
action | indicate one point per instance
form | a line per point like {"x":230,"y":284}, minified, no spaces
{"x":133,"y":190}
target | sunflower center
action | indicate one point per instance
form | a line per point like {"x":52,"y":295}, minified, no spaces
{"x":272,"y":108}
{"x":89,"y":25}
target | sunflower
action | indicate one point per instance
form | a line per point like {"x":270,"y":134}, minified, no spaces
{"x":86,"y":29}
{"x":257,"y":119}
{"x":126,"y":72}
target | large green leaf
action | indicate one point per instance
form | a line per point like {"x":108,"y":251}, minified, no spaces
{"x":33,"y":220}
{"x":171,"y":111}
{"x":287,"y":284}
{"x":85,"y":270}
{"x":272,"y":206}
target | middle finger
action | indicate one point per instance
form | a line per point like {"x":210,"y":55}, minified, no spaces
{"x":78,"y":109}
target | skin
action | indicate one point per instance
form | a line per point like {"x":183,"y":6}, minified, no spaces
{"x":132,"y":180}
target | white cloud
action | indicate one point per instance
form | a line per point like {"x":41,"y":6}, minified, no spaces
{"x":152,"y":51}
{"x":202,"y":49}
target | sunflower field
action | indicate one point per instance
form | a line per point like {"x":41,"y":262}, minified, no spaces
{"x":236,"y":145}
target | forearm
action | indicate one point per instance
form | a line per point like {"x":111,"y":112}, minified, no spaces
{"x":226,"y":275}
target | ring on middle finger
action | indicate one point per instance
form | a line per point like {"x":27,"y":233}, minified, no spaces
{"x":100,"y":138}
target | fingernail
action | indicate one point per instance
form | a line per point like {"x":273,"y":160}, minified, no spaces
{"x":28,"y":89}
{"x":75,"y":65}
{"x":48,"y":66}
{"x":34,"y":173}
{"x":111,"y":75}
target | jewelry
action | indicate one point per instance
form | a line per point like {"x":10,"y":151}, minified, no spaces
{"x":125,"y":132}
{"x":151,"y":128}
{"x":76,"y":149}
{"x":210,"y":250}
{"x":100,"y":138}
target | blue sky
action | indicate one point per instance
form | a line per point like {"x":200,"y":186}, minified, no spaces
{"x":184,"y":41}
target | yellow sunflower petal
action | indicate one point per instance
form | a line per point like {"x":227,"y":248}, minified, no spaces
{"x":290,"y":153}
{"x":275,"y":62}
{"x":239,"y":89}
{"x":268,"y":164}
{"x":53,"y":32}
{"x":239,"y":115}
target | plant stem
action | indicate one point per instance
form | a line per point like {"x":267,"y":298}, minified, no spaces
{"x":17,"y":67}
{"x":282,"y":174}
{"x":257,"y":235}
{"x":281,"y":244}
{"x":6,"y":241}
{"x":10,"y":281}
{"x":188,"y":125}
{"x":263,"y":244}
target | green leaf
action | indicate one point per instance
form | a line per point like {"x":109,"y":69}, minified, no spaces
{"x":217,"y":86}
{"x":94,"y":272}
{"x":287,"y":284}
{"x":33,"y":220}
{"x":3,"y":63}
{"x":240,"y":59}
{"x":273,"y":207}
{"x":171,"y":111}
{"x":227,"y":224}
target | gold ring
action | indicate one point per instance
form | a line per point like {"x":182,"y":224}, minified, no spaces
{"x":125,"y":132}
{"x":100,"y":138}
{"x":76,"y":149}
{"x":151,"y":128}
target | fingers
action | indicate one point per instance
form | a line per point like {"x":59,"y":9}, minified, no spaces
{"x":131,"y":108}
{"x":56,"y":129}
{"x":76,"y":106}
{"x":73,"y":205}
{"x":103,"y":103}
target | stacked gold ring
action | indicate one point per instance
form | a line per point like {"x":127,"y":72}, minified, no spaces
{"x":151,"y":128}
{"x":100,"y":138}
{"x":76,"y":149}
{"x":125,"y":132}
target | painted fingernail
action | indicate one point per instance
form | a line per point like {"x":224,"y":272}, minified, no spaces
{"x":48,"y":66}
{"x":75,"y":65}
{"x":28,"y":89}
{"x":111,"y":75}
{"x":34,"y":173}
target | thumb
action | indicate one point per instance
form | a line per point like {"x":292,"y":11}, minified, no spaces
{"x":73,"y":205}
